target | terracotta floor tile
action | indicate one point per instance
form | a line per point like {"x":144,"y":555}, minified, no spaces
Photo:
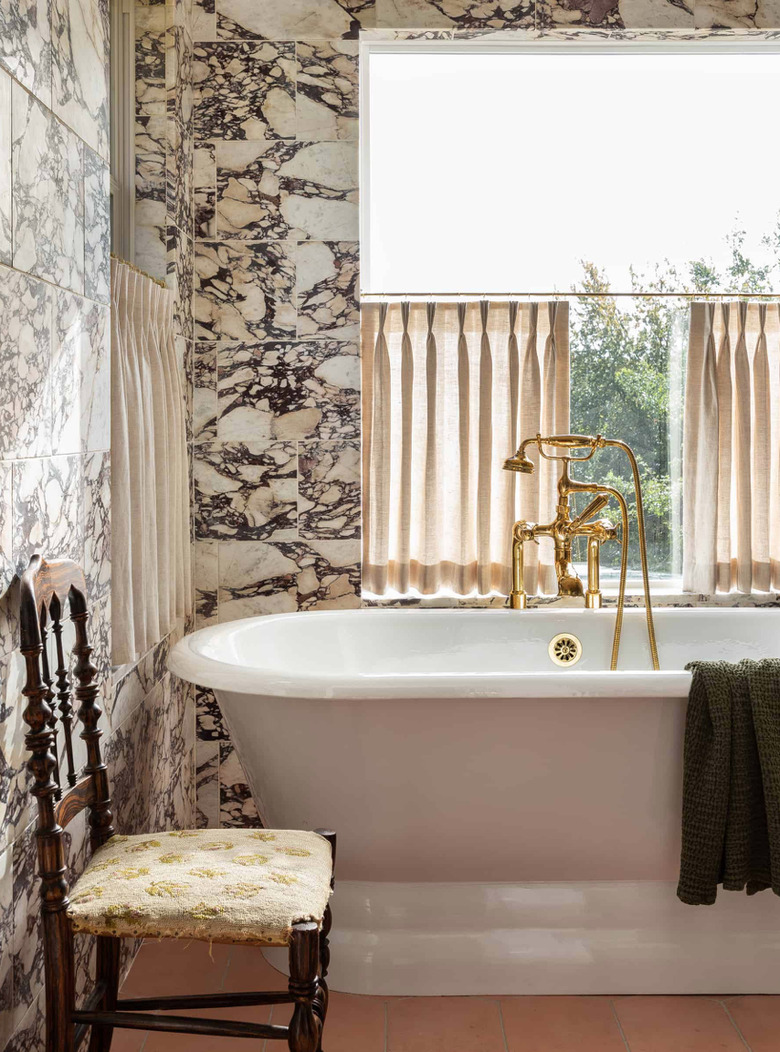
{"x":561,"y":1024}
{"x":249,"y":970}
{"x":355,"y":1024}
{"x":444,"y":1024}
{"x":758,"y":1017}
{"x":127,"y":1040}
{"x":676,"y":1024}
{"x":173,"y":966}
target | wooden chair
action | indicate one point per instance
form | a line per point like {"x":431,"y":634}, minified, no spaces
{"x":296,"y":870}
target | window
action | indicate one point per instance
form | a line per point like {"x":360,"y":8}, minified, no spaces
{"x":611,"y":174}
{"x":502,"y":171}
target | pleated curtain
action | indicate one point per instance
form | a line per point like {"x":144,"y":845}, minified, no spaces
{"x":449,"y":388}
{"x":151,"y":581}
{"x":731,"y":456}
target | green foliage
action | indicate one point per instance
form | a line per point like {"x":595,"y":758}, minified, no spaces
{"x":622,"y":352}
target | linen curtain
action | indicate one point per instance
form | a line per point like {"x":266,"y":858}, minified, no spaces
{"x":448,"y":390}
{"x":731,"y":457}
{"x":151,"y":583}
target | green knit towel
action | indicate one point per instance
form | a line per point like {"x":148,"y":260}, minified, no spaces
{"x":731,"y":780}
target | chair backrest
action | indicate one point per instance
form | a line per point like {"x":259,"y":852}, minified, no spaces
{"x":49,"y":592}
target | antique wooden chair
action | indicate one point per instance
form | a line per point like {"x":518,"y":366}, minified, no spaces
{"x":193,"y":884}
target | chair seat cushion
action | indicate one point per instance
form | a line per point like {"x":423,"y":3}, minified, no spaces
{"x":223,"y":885}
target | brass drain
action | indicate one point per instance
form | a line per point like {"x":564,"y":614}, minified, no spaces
{"x":565,"y":649}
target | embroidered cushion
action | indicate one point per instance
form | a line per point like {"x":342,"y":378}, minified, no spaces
{"x":243,"y":885}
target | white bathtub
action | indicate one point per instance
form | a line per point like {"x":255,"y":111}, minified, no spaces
{"x":505,"y":825}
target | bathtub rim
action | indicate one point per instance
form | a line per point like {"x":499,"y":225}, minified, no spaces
{"x":188,"y":662}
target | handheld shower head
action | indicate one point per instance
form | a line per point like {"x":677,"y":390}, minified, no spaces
{"x":519,"y":462}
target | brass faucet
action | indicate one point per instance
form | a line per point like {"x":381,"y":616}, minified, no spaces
{"x":563,"y":529}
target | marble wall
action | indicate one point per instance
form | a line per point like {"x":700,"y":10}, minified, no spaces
{"x":276,"y":501}
{"x":55,"y":428}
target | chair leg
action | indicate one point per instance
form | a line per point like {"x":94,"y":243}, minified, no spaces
{"x":107,"y":971}
{"x":305,"y":1025}
{"x":321,"y":999}
{"x":59,"y":972}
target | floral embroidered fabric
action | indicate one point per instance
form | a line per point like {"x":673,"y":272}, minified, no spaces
{"x":247,"y":885}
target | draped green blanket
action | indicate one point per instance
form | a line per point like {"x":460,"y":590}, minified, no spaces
{"x":731,"y":780}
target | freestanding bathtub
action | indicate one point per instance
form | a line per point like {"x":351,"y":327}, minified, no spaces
{"x":505,"y":825}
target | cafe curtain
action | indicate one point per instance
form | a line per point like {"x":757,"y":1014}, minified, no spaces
{"x":151,"y":584}
{"x":731,"y":455}
{"x":449,"y":389}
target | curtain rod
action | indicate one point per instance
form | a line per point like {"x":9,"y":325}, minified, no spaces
{"x":574,"y":295}
{"x":132,"y":266}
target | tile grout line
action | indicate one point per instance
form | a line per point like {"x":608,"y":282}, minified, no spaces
{"x":387,"y":1028}
{"x":621,"y":1031}
{"x":734,"y":1023}
{"x":501,"y":1021}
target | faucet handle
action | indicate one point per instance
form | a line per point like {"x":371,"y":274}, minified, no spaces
{"x":593,"y":508}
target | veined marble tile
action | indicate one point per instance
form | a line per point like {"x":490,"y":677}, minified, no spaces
{"x":204,"y":20}
{"x":286,"y":189}
{"x":293,"y":19}
{"x":150,"y":157}
{"x":205,"y":575}
{"x":7,"y":568}
{"x":25,"y":44}
{"x":204,"y":398}
{"x":735,"y":14}
{"x":236,"y":805}
{"x":578,"y":13}
{"x":5,"y":167}
{"x":464,"y":14}
{"x":16,"y":803}
{"x":180,"y":279}
{"x":48,"y":509}
{"x":288,"y":390}
{"x":6,"y":945}
{"x":150,"y":23}
{"x":205,"y":183}
{"x":27,"y":942}
{"x":48,"y":195}
{"x":329,"y":489}
{"x":207,"y":784}
{"x":151,"y":238}
{"x":246,"y":491}
{"x":97,"y":227}
{"x":272,"y":578}
{"x":97,"y":525}
{"x":80,"y":62}
{"x":25,"y":353}
{"x":81,"y":375}
{"x":327,"y":90}
{"x":244,"y":291}
{"x":179,"y":188}
{"x":30,"y":1035}
{"x":210,"y":725}
{"x":244,"y":90}
{"x":328,"y":289}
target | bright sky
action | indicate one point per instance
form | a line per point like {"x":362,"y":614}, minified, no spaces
{"x":499,"y":172}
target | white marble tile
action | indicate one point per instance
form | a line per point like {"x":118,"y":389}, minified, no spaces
{"x":25,"y":44}
{"x":81,"y":375}
{"x":7,"y":568}
{"x":49,"y":509}
{"x":462,"y":14}
{"x":296,"y":190}
{"x":97,"y":227}
{"x":293,"y":19}
{"x":48,"y":195}
{"x":207,"y":784}
{"x":326,"y":99}
{"x":328,"y":289}
{"x":5,"y":167}
{"x":737,"y":14}
{"x":205,"y":573}
{"x":80,"y":60}
{"x":244,"y":291}
{"x":6,"y":945}
{"x":97,"y":528}
{"x":25,"y":363}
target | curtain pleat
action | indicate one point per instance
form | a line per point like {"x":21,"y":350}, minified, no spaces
{"x":151,"y":582}
{"x":455,"y":396}
{"x":730,"y":457}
